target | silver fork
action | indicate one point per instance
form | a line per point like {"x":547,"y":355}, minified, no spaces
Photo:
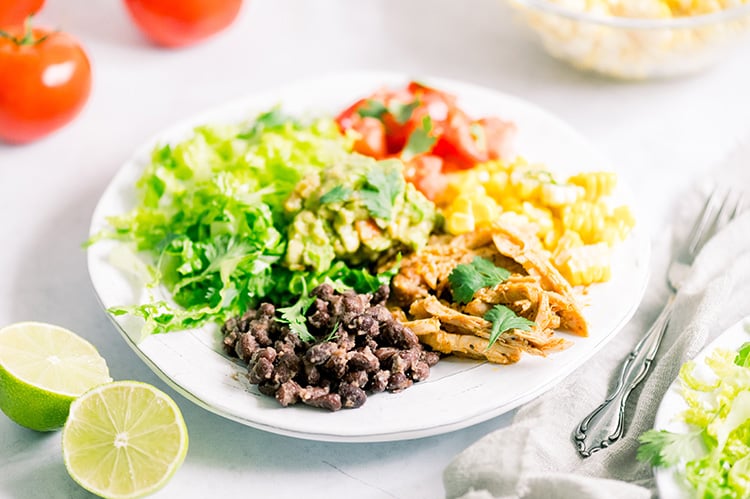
{"x":606,"y":424}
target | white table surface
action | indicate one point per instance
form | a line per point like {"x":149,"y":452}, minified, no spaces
{"x":662,"y":134}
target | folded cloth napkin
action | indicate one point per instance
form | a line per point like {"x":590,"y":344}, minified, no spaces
{"x":535,"y":457}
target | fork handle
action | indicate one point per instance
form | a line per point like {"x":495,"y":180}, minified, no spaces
{"x":606,"y":424}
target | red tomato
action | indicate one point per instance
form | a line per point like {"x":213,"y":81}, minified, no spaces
{"x":49,"y":80}
{"x":17,"y":11}
{"x":458,"y":146}
{"x":177,"y":23}
{"x":372,"y":141}
{"x":498,"y":136}
{"x":348,"y":115}
{"x":425,"y":172}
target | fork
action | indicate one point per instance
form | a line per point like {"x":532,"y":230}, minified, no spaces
{"x":606,"y":424}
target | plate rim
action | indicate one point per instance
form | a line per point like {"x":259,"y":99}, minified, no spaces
{"x":184,"y":125}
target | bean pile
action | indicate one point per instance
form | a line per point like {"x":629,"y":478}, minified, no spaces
{"x":359,"y":348}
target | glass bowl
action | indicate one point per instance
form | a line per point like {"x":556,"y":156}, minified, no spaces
{"x":630,"y":47}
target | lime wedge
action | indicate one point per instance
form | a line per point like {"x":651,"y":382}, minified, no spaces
{"x":43,"y":368}
{"x":124,"y":439}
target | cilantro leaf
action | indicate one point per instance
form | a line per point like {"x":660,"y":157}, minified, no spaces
{"x":420,"y":140}
{"x":663,"y":448}
{"x":467,"y":278}
{"x":402,"y":112}
{"x":504,"y":319}
{"x":268,"y":120}
{"x":743,"y":355}
{"x":294,"y":316}
{"x":338,"y":194}
{"x":372,"y":109}
{"x":381,"y":189}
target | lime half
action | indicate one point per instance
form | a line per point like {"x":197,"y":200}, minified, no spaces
{"x":124,"y":439}
{"x":43,"y":368}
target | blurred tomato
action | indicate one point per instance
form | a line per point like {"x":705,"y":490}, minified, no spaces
{"x":49,"y":80}
{"x":16,"y":11}
{"x":177,"y":23}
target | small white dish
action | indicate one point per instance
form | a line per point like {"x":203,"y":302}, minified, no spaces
{"x":668,"y":481}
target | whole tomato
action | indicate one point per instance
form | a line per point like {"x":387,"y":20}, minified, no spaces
{"x":45,"y":79}
{"x":16,"y":11}
{"x":179,"y":23}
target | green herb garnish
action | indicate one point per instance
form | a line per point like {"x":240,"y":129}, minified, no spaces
{"x":372,"y":109}
{"x":376,"y":109}
{"x":294,"y":317}
{"x":338,"y":194}
{"x":504,"y":319}
{"x":664,"y":448}
{"x":743,"y":354}
{"x":467,"y":278}
{"x":380,"y":191}
{"x":420,"y":140}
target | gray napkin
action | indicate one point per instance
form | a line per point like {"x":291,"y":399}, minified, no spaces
{"x":535,"y":456}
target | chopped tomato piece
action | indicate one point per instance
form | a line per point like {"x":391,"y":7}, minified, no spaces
{"x":372,"y":137}
{"x":426,"y":173}
{"x":499,"y":136}
{"x":458,"y":146}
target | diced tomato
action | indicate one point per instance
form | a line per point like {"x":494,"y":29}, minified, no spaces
{"x":346,"y":118}
{"x":462,"y":142}
{"x":499,"y":136}
{"x":372,"y":140}
{"x":458,"y":146}
{"x":426,"y":173}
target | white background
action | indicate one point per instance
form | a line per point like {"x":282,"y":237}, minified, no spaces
{"x":663,"y":135}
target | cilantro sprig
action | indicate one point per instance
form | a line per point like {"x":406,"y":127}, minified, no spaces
{"x":504,"y":319}
{"x":664,"y":448}
{"x":294,"y":316}
{"x":338,"y":194}
{"x":467,"y":278}
{"x":420,"y":141}
{"x":376,"y":109}
{"x":380,"y":191}
{"x":743,"y":355}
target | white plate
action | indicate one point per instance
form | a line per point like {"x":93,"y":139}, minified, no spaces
{"x":459,"y":392}
{"x":668,"y":482}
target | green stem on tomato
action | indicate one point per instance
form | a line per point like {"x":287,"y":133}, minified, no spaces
{"x":28,"y":35}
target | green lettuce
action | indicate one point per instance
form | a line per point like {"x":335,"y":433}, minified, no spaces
{"x":714,"y":456}
{"x":210,"y":214}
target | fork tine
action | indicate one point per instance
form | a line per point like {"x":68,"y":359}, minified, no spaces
{"x":714,"y":218}
{"x":704,"y":223}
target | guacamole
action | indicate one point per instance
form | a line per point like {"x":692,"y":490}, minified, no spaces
{"x":357,"y":210}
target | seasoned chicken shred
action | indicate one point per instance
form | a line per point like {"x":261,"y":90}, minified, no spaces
{"x":535,"y":290}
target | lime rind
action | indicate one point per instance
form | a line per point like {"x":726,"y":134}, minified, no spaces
{"x":43,"y":368}
{"x":124,"y":440}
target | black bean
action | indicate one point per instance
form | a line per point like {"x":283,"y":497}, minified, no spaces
{"x":379,"y":381}
{"x":260,"y":371}
{"x":332,"y":402}
{"x":336,"y":363}
{"x":323,"y":291}
{"x":320,"y":352}
{"x":420,"y":371}
{"x":352,"y":396}
{"x":381,"y":295}
{"x":398,"y":382}
{"x":358,"y":378}
{"x":246,"y":346}
{"x":431,"y":358}
{"x":288,"y":393}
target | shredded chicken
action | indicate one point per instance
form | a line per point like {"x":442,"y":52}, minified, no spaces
{"x":535,"y":290}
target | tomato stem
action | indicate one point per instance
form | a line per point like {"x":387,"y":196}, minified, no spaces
{"x":28,"y":35}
